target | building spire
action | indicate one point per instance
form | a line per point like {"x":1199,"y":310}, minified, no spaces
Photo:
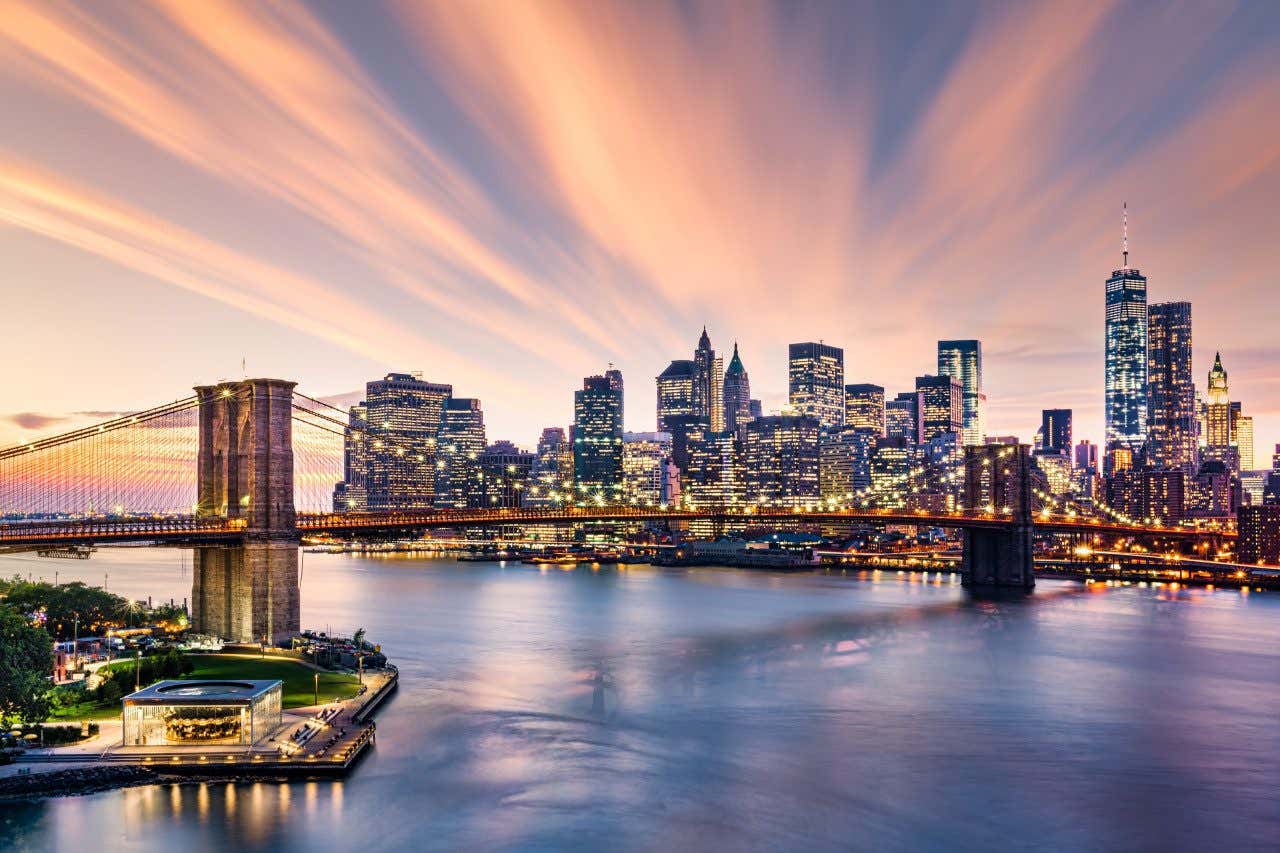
{"x":1125,"y":242}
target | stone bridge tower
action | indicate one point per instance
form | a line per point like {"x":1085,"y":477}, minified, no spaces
{"x":998,"y":478}
{"x":247,"y":592}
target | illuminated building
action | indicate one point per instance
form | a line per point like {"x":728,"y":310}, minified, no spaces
{"x":1163,"y":494}
{"x":1217,"y":418}
{"x":902,"y":418}
{"x":460,"y":442}
{"x":1242,"y":437}
{"x":552,"y":474}
{"x":737,"y":393}
{"x":1087,"y":455}
{"x":962,"y":361}
{"x":614,"y":377}
{"x":645,"y":455}
{"x":864,"y":408}
{"x":1126,"y":356}
{"x":816,"y":383}
{"x":1055,"y":427}
{"x":1171,"y":389}
{"x":1259,"y":534}
{"x":597,"y":442}
{"x":844,"y":463}
{"x":891,"y":463}
{"x":202,"y":713}
{"x":780,"y":454}
{"x":715,"y":478}
{"x":1212,"y":492}
{"x":941,"y":406}
{"x":708,"y":384}
{"x":403,"y":416}
{"x":352,"y":494}
{"x":507,"y":472}
{"x":675,"y":393}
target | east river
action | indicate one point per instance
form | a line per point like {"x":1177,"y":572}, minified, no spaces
{"x":718,"y":709}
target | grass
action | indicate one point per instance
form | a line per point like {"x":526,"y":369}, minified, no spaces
{"x":297,"y":688}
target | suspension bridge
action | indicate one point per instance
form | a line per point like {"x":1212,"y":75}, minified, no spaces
{"x":253,"y":462}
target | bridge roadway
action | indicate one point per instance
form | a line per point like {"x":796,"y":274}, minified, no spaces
{"x":193,"y":530}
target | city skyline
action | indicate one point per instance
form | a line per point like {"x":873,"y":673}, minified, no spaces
{"x":309,"y":216}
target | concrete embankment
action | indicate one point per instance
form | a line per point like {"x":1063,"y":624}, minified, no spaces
{"x":80,"y":780}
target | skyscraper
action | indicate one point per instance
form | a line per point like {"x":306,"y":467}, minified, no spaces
{"x":352,"y":494}
{"x":902,"y":418}
{"x":597,"y":441}
{"x":715,"y":478}
{"x":644,"y":458}
{"x":507,"y":472}
{"x":737,"y":393}
{"x":1171,"y":388}
{"x":1126,"y":355}
{"x":780,"y":454}
{"x":403,"y":415}
{"x":615,"y":382}
{"x":1244,"y":440}
{"x":1218,"y":410}
{"x":942,"y":406}
{"x":816,"y":382}
{"x":962,"y":361}
{"x":864,"y":408}
{"x":1055,"y":427}
{"x":675,"y":392}
{"x":460,"y":443}
{"x":708,"y":384}
{"x":552,"y":470}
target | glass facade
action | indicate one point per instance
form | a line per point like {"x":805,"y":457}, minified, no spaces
{"x":675,"y":393}
{"x":962,"y":361}
{"x":864,"y":408}
{"x":941,"y":406}
{"x":1171,"y":389}
{"x":195,"y":713}
{"x":1126,"y":360}
{"x":815,"y":380}
{"x":459,"y":445}
{"x":780,"y":459}
{"x":403,"y":415}
{"x":597,"y":442}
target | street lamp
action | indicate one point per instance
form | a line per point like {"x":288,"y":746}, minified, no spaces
{"x":137,"y":672}
{"x":317,"y":687}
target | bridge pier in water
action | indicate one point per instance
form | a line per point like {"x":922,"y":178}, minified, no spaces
{"x":248,"y":591}
{"x":998,"y":477}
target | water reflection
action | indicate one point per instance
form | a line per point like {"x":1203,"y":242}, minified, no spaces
{"x":714,"y":709}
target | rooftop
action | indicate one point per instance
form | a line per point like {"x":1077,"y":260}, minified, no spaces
{"x":202,"y":692}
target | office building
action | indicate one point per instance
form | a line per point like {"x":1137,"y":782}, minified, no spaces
{"x":780,"y":459}
{"x":1055,"y":431}
{"x":1217,"y":418}
{"x":507,"y":472}
{"x":844,"y":463}
{"x":941,"y":406}
{"x":816,"y":383}
{"x":1242,"y":437}
{"x":715,"y":477}
{"x":645,"y":455}
{"x":737,"y":393}
{"x":352,"y":494}
{"x":597,"y":441}
{"x":962,"y":361}
{"x":552,"y":475}
{"x":708,"y":384}
{"x":892,"y":460}
{"x":1087,"y":455}
{"x":864,"y":408}
{"x":1171,"y":390}
{"x":675,"y":392}
{"x":403,"y":420}
{"x":460,"y":443}
{"x":902,"y":418}
{"x":1126,"y":356}
{"x":1259,"y":534}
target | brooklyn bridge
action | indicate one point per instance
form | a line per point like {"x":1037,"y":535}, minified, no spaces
{"x":241,"y":471}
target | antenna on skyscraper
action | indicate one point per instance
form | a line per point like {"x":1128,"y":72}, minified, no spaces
{"x":1126,"y":236}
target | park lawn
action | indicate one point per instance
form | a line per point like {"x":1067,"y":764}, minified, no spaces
{"x":297,"y":688}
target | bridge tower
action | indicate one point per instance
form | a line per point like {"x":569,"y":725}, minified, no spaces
{"x":998,"y":479}
{"x":247,"y":592}
{"x":245,"y":463}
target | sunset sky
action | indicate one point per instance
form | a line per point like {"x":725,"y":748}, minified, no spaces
{"x":509,"y":195}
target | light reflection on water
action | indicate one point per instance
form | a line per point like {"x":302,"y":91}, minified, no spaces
{"x":721,"y":709}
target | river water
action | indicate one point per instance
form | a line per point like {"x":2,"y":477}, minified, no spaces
{"x":719,"y":709}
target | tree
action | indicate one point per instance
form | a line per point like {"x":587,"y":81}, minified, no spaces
{"x":26,"y":662}
{"x":358,"y":639}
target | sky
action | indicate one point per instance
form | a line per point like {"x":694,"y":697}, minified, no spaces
{"x":508,"y":195}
